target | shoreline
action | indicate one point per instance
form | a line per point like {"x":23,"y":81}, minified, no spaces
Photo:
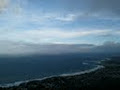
{"x":61,"y":75}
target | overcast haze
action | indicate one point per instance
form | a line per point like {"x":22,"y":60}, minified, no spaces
{"x":59,"y":26}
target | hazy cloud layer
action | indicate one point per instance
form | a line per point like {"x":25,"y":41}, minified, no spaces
{"x":17,"y":48}
{"x":108,"y":47}
{"x":12,"y":48}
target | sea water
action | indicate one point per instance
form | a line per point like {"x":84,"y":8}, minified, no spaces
{"x":17,"y":69}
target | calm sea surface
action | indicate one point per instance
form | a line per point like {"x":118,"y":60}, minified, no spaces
{"x":13,"y":69}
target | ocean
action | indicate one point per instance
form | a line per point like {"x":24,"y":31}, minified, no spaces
{"x":17,"y":69}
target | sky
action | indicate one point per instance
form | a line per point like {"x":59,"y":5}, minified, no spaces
{"x":27,"y":26}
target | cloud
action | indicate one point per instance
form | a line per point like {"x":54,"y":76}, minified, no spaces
{"x":68,"y":17}
{"x":20,"y":48}
{"x":48,"y":35}
{"x":76,"y":9}
{"x":111,"y":6}
{"x":108,"y":47}
{"x":106,"y":9}
{"x":42,"y":17}
{"x":111,"y":34}
{"x":103,"y":9}
{"x":4,"y":4}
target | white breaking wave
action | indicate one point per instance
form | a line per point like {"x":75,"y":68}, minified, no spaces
{"x":83,"y":72}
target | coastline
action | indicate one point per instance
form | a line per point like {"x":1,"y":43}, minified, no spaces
{"x":61,"y":75}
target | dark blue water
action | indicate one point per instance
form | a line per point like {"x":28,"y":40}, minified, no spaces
{"x":13,"y":69}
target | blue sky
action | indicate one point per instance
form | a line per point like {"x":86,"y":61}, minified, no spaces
{"x":60,"y":21}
